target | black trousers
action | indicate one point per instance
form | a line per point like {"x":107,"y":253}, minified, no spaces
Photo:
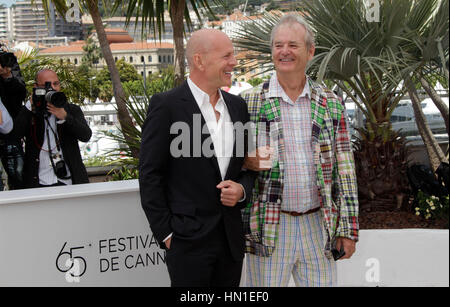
{"x":212,"y":265}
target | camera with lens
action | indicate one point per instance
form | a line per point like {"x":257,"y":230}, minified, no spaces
{"x":43,"y":95}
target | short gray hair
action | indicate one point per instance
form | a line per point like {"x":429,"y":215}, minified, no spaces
{"x":291,"y":19}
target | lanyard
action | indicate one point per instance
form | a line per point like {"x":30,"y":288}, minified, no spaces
{"x":50,"y":150}
{"x":48,"y":137}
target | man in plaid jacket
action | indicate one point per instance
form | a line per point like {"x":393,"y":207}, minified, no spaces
{"x":303,"y":214}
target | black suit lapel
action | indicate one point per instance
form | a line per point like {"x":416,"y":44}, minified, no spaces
{"x":234,"y":115}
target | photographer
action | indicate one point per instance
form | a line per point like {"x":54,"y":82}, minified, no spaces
{"x":52,"y":128}
{"x":12,"y":94}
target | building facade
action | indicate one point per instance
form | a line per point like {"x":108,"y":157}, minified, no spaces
{"x":147,"y":58}
{"x":30,"y":23}
{"x":4,"y":24}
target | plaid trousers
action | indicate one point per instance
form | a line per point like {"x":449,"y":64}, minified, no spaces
{"x":298,"y":252}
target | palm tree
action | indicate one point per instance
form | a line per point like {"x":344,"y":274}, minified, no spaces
{"x":119,"y":93}
{"x":426,"y":56}
{"x":365,"y":60}
{"x":151,"y":13}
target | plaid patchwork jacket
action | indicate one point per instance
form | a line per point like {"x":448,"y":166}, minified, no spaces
{"x":333,"y":161}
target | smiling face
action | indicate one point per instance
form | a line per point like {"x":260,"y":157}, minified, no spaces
{"x":290,"y":53}
{"x":219,"y":61}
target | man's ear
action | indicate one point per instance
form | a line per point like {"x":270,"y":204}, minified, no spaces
{"x":199,"y":62}
{"x":311,"y":52}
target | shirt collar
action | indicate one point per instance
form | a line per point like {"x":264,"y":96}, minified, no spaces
{"x":201,"y":97}
{"x":277,"y":91}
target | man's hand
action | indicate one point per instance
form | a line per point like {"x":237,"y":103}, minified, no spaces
{"x":60,"y":113}
{"x":232,"y":192}
{"x":348,"y":244}
{"x":259,"y":160}
{"x":167,"y":242}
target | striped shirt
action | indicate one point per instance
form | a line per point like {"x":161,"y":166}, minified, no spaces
{"x":300,"y":189}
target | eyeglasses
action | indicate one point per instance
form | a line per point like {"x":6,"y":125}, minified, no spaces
{"x":54,"y":84}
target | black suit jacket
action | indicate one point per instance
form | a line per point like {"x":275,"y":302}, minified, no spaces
{"x":179,"y":195}
{"x":74,"y":129}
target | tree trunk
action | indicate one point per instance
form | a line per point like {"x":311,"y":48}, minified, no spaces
{"x":177,"y":17}
{"x":435,"y":153}
{"x":119,"y":93}
{"x":437,"y":101}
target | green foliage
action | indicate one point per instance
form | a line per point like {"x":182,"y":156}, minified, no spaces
{"x":97,"y":161}
{"x":432,"y":207}
{"x":124,"y":173}
{"x":255,"y":81}
{"x":154,"y":84}
{"x":102,"y":84}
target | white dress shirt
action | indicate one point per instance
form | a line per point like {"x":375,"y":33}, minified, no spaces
{"x":222,"y":132}
{"x":7,"y":122}
{"x":47,"y":175}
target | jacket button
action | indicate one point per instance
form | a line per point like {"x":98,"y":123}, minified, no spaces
{"x":278,"y":201}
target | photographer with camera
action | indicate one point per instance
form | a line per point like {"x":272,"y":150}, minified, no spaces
{"x":52,"y":128}
{"x":12,"y":94}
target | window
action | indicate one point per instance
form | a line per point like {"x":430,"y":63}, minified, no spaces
{"x":142,"y":59}
{"x":131,"y":59}
{"x":76,"y":61}
{"x":159,"y":58}
{"x":115,"y":59}
{"x":164,"y":59}
{"x":150,"y":58}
